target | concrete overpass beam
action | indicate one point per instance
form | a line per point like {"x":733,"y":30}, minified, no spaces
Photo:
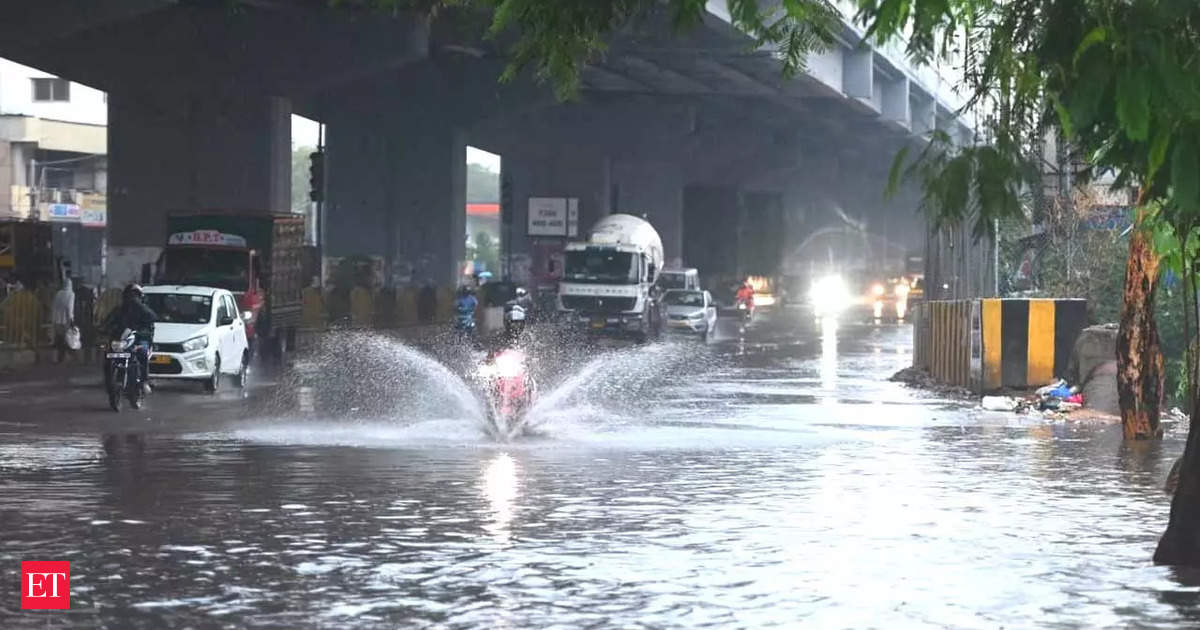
{"x":858,"y":76}
{"x":186,"y":152}
{"x":897,"y":102}
{"x":654,"y":190}
{"x":924,"y":114}
{"x":397,"y":193}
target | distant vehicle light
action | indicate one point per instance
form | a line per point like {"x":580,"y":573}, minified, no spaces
{"x":764,"y":300}
{"x":877,"y":289}
{"x":902,"y":289}
{"x":829,"y":295}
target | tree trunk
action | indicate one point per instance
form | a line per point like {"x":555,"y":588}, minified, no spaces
{"x":1180,"y":544}
{"x":1139,"y":361}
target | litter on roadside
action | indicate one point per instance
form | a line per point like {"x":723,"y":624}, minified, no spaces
{"x":1051,"y":400}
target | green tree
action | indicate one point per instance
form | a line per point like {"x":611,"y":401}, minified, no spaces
{"x":483,"y":184}
{"x":487,"y":251}
{"x":300,"y":185}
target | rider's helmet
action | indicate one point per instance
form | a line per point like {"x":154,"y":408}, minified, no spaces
{"x":464,"y":291}
{"x":132,"y":292}
{"x":521,"y":292}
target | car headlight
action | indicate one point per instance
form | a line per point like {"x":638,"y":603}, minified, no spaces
{"x":877,"y":289}
{"x":195,"y":343}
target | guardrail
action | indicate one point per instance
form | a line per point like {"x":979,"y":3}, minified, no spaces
{"x":990,"y":344}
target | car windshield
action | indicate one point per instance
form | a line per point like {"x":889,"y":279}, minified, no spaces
{"x":224,"y":269}
{"x":180,"y":308}
{"x":684,"y":298}
{"x":601,"y":266}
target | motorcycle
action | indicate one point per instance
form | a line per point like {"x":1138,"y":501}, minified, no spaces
{"x":121,"y":372}
{"x":509,"y":389}
{"x":514,"y":318}
{"x":746,"y":310}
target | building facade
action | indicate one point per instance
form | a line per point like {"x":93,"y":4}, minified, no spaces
{"x":53,"y":162}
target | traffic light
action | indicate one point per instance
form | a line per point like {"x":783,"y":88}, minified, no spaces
{"x":506,"y":200}
{"x":316,"y":176}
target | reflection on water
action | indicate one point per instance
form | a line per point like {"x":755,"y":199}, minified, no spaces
{"x":500,"y":489}
{"x":752,"y":508}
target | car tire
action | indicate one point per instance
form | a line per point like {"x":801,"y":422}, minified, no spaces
{"x":213,"y":383}
{"x":243,"y":376}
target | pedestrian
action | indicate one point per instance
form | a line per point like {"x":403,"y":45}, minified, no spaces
{"x":427,"y":303}
{"x":63,"y":317}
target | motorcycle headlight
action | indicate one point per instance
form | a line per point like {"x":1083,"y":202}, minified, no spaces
{"x":117,"y":345}
{"x":195,"y":343}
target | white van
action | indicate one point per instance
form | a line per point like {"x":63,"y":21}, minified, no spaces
{"x":687,"y":279}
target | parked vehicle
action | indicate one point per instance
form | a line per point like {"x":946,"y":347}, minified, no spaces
{"x":688,"y":278}
{"x":200,"y":335}
{"x":27,"y":254}
{"x":122,"y":380}
{"x":257,"y":257}
{"x":608,"y":281}
{"x":690,"y":311}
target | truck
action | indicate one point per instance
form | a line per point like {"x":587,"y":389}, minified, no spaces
{"x":27,"y":254}
{"x":608,"y":283}
{"x":258,"y":257}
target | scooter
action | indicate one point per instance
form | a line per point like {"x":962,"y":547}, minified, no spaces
{"x":121,"y":371}
{"x":510,"y":391}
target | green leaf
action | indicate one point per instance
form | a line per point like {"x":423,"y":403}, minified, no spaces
{"x":1095,"y":36}
{"x":895,"y":173}
{"x":1185,"y":174}
{"x":1064,"y":117}
{"x":1133,"y":104}
{"x":1158,"y":153}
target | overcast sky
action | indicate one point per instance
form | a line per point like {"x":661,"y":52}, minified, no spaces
{"x":304,"y":134}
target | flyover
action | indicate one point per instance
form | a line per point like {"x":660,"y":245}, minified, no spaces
{"x":697,"y":130}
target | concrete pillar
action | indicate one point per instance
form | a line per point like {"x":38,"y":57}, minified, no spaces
{"x":397,"y":194}
{"x":654,"y":190}
{"x":196,"y":151}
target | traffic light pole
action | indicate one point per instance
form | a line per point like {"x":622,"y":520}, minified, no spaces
{"x":317,"y":195}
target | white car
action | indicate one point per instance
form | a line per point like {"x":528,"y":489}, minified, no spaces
{"x":199,"y":335}
{"x":690,"y":311}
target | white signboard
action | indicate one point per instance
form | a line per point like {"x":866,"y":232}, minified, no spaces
{"x":93,"y":218}
{"x":572,"y":217}
{"x":547,"y":216}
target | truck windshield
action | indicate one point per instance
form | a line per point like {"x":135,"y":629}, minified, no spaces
{"x":223,"y":269}
{"x":178,"y":308}
{"x":601,"y":266}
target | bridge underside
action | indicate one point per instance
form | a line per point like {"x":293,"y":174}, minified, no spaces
{"x":696,"y":132}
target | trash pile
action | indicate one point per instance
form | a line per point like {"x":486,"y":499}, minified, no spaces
{"x":1050,"y":401}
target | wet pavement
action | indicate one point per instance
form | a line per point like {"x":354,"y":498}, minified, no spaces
{"x":770,"y":480}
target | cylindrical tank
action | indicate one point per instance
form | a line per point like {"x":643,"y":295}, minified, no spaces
{"x":626,"y":229}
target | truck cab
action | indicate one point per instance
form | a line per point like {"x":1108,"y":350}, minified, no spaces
{"x":608,"y":283}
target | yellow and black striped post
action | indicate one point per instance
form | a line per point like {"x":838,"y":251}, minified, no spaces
{"x":1028,"y":343}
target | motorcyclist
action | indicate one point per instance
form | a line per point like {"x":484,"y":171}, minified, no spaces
{"x":516,"y":314}
{"x":745,"y":295}
{"x":133,"y":314}
{"x":464,"y":309}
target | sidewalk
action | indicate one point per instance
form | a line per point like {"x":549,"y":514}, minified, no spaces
{"x":48,"y":373}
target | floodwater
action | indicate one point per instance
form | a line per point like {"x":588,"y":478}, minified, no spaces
{"x":771,"y":481}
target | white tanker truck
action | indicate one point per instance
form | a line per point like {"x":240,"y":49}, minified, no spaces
{"x":608,"y":281}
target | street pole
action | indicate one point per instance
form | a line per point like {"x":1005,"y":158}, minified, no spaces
{"x":320,"y":211}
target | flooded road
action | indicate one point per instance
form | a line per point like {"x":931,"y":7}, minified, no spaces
{"x":772,"y":481}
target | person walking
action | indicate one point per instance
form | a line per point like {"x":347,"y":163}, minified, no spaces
{"x":63,"y":318}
